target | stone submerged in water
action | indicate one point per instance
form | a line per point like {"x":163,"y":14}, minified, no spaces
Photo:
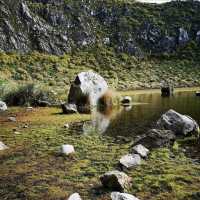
{"x":67,"y":149}
{"x":3,"y":106}
{"x":2,"y":146}
{"x":141,"y":150}
{"x":178,"y":123}
{"x":156,"y":138}
{"x":122,"y":196}
{"x":75,"y":196}
{"x":116,"y":180}
{"x":69,"y":108}
{"x":130,"y":160}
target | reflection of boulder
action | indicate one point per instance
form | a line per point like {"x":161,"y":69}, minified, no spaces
{"x":166,"y":89}
{"x":100,"y":121}
{"x":86,"y":90}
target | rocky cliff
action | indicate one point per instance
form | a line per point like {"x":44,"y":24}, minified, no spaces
{"x":61,"y":26}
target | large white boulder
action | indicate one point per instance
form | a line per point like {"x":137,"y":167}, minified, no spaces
{"x":122,"y":196}
{"x":87,"y":88}
{"x":178,"y":123}
{"x":3,"y":106}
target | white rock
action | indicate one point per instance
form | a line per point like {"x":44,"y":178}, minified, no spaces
{"x":126,"y":100}
{"x":141,"y":150}
{"x":2,"y":146}
{"x":74,"y":196}
{"x":130,"y":160}
{"x":122,"y":196}
{"x":67,"y":149}
{"x":3,"y":106}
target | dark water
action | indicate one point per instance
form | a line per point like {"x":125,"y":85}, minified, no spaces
{"x":145,"y":111}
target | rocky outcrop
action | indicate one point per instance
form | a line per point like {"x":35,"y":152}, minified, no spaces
{"x":116,"y":180}
{"x":3,"y":106}
{"x":178,"y":123}
{"x":122,"y":196}
{"x":35,"y":25}
{"x":156,"y":138}
{"x":86,"y":90}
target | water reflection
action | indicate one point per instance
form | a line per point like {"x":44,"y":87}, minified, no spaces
{"x":137,"y":119}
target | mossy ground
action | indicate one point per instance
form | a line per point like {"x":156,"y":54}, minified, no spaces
{"x":32,"y":167}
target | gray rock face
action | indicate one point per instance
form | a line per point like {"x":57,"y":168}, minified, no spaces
{"x":156,"y":138}
{"x":122,"y":196}
{"x":2,"y":146}
{"x":75,"y":196}
{"x":116,"y":180}
{"x":178,"y":123}
{"x":87,"y":89}
{"x":141,"y":150}
{"x":183,"y":37}
{"x":3,"y":106}
{"x":130,"y":160}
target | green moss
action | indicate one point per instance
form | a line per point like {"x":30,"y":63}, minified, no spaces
{"x":32,"y":167}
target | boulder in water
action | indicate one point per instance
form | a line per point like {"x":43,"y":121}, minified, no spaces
{"x":178,"y":123}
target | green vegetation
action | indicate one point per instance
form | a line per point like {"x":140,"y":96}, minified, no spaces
{"x":32,"y":167}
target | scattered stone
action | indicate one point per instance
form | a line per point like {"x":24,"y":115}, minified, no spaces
{"x":12,"y":119}
{"x":122,"y":196}
{"x":74,"y":196}
{"x":29,"y":108}
{"x":126,"y":100}
{"x":69,"y":108}
{"x":67,"y":149}
{"x":87,"y":88}
{"x":3,"y":106}
{"x":17,"y":133}
{"x":156,"y":138}
{"x":66,"y":126}
{"x":198,"y":93}
{"x":116,"y":180}
{"x":2,"y":146}
{"x":141,"y":150}
{"x":130,"y":160}
{"x":178,"y":123}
